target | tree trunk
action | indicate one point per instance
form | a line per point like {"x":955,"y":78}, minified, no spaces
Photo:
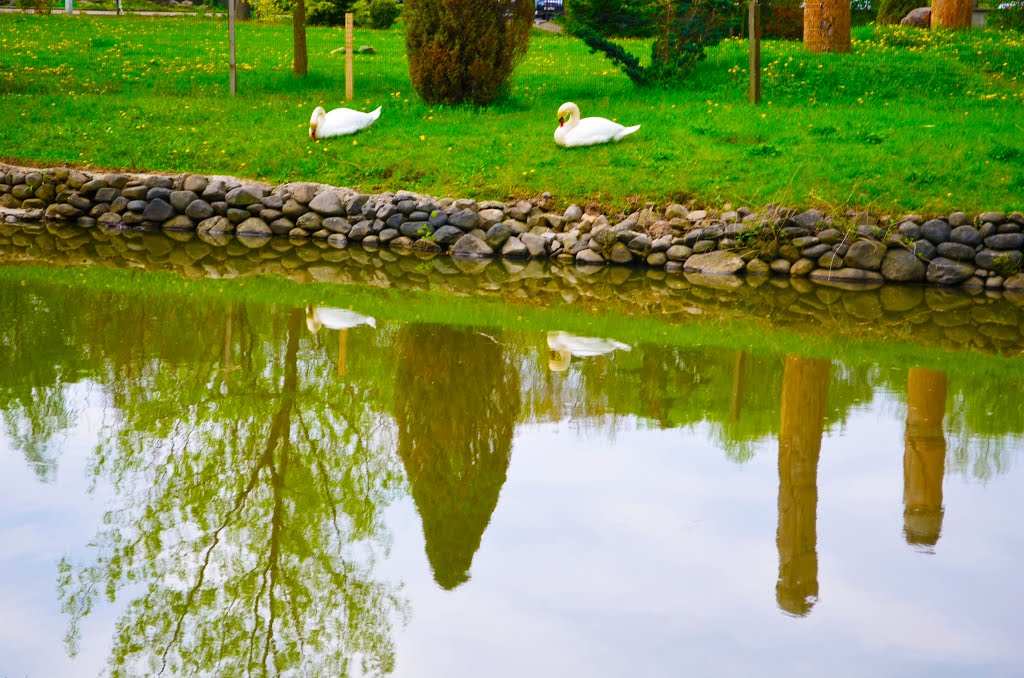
{"x":300,"y":64}
{"x":951,"y":13}
{"x":827,"y":26}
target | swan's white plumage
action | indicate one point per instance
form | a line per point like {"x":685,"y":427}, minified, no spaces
{"x":335,"y":318}
{"x":583,"y":347}
{"x":572,"y":131}
{"x":339,"y":122}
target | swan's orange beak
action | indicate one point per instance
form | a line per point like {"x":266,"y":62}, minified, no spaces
{"x":312,"y":135}
{"x":561,"y":121}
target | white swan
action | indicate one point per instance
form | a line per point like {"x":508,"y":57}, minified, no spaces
{"x":586,"y":132}
{"x":564,"y":345}
{"x":335,"y":318}
{"x":338,"y":122}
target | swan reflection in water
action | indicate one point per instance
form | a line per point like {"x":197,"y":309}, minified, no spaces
{"x":337,"y":319}
{"x":564,"y":346}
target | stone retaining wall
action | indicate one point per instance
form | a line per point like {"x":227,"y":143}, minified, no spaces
{"x":983,"y":251}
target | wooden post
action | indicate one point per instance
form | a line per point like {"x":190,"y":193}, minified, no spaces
{"x":754,"y":31}
{"x":348,"y":57}
{"x":231,"y":43}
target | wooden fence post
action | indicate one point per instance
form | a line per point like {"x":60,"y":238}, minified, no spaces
{"x":755,"y":51}
{"x":231,"y":44}
{"x":348,"y":57}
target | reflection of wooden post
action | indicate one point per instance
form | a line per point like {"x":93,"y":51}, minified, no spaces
{"x":342,"y":352}
{"x":802,"y":421}
{"x":924,"y":457}
{"x":348,"y":57}
{"x":227,"y":342}
{"x":739,"y":369}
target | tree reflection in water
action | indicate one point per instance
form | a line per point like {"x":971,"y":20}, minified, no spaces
{"x":802,"y":421}
{"x":247,"y":521}
{"x":924,"y":457}
{"x":457,"y":401}
{"x":37,"y":362}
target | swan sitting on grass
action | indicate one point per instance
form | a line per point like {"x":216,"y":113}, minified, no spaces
{"x":589,"y":131}
{"x":339,"y":122}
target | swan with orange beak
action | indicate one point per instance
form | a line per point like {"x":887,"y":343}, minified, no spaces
{"x":572,"y":131}
{"x":339,"y":122}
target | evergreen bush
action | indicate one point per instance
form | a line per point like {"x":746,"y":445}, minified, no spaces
{"x":782,"y":20}
{"x":613,"y":18}
{"x":383,"y":13}
{"x":1008,"y":15}
{"x":327,"y":12}
{"x":893,"y":11}
{"x":466,"y":50}
{"x":684,"y":30}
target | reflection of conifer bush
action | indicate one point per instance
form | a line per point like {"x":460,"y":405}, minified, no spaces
{"x":684,"y":29}
{"x":456,"y":411}
{"x":466,"y":50}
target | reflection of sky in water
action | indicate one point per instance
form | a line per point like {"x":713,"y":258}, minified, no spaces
{"x":40,"y":523}
{"x":640,"y":557}
{"x":658,"y":555}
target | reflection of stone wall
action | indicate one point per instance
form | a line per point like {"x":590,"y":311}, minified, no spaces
{"x":981,"y":252}
{"x":990,"y":322}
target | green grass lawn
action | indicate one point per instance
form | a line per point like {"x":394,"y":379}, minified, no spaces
{"x":911,"y":120}
{"x":130,"y":6}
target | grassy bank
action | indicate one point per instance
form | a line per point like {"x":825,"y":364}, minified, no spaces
{"x":910,"y":120}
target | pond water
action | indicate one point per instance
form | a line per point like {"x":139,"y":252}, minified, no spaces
{"x":497,"y":471}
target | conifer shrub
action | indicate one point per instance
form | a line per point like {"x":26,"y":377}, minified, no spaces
{"x":893,"y":11}
{"x":613,"y":18}
{"x":466,"y":50}
{"x":383,"y":13}
{"x":782,"y":20}
{"x":684,"y":30}
{"x":1008,"y":15}
{"x":326,"y":12}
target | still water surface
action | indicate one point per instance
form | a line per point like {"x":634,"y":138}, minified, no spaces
{"x":215,"y":487}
